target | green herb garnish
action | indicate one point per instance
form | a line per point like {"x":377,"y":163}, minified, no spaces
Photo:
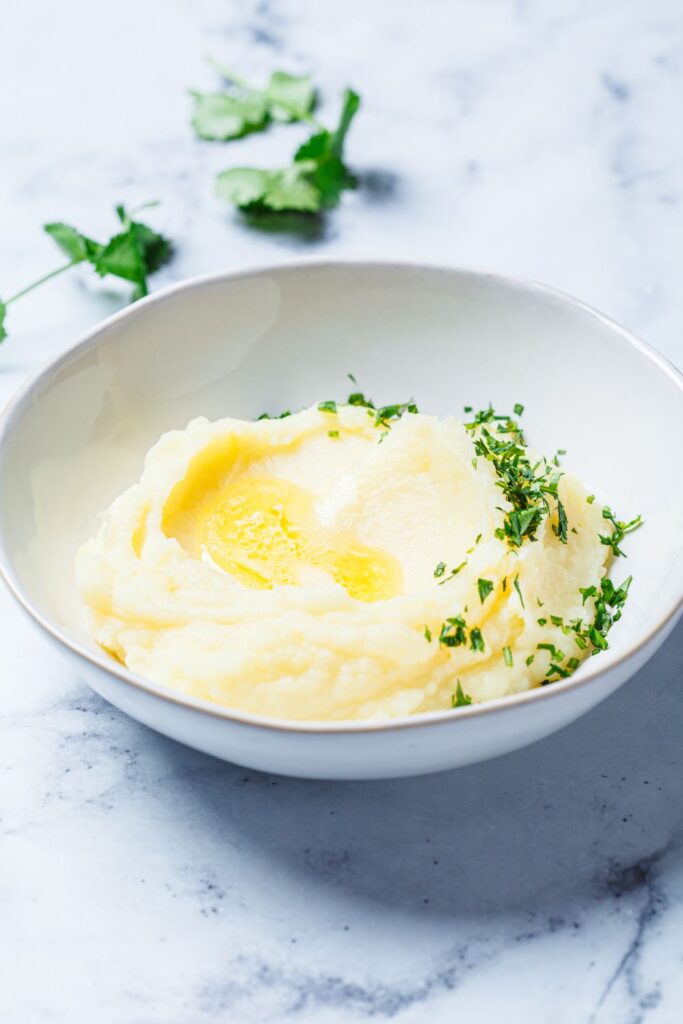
{"x":460,"y":698}
{"x":476,"y":639}
{"x":517,"y":587}
{"x":133,"y":254}
{"x":555,"y":653}
{"x":453,"y":632}
{"x":528,"y":488}
{"x":485,"y":587}
{"x":507,"y":655}
{"x":314,"y":181}
{"x":453,"y":572}
{"x":244,"y":109}
{"x":328,"y":406}
{"x":608,"y":602}
{"x":280,"y":416}
{"x":428,"y":634}
{"x":619,"y":532}
{"x":333,"y":433}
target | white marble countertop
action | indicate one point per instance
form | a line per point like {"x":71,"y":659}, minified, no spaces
{"x":142,"y":883}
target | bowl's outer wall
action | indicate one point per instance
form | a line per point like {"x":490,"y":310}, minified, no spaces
{"x":430,"y":747}
{"x":288,"y":337}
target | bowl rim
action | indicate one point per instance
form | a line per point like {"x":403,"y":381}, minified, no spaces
{"x":11,"y":414}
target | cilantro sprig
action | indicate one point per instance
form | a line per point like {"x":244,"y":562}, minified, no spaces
{"x":313,"y":182}
{"x":132,"y":254}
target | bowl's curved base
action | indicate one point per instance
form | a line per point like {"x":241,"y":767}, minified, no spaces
{"x":410,"y":747}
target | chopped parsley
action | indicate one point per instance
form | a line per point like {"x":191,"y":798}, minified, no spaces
{"x":528,"y":488}
{"x":383,"y":415}
{"x":333,"y":433}
{"x":329,"y":406}
{"x":280,"y":416}
{"x":485,"y":587}
{"x":620,"y":529}
{"x":452,"y":573}
{"x":590,"y":636}
{"x":428,"y":634}
{"x":555,"y":653}
{"x":507,"y":654}
{"x":476,"y":541}
{"x":440,"y":570}
{"x":454,"y":633}
{"x":476,"y":639}
{"x":517,"y":587}
{"x":460,"y":698}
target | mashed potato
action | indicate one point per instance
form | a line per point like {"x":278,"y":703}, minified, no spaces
{"x":333,"y":565}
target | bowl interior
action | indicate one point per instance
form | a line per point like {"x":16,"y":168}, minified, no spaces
{"x":288,"y":337}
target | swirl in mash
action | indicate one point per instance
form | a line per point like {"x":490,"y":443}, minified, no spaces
{"x":291,"y":568}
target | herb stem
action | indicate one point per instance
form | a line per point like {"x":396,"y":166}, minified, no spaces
{"x":230,"y":76}
{"x":41,"y":280}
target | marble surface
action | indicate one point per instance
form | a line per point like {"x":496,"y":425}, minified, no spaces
{"x":143,"y":883}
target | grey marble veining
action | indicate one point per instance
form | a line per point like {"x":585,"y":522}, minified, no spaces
{"x":144,"y":883}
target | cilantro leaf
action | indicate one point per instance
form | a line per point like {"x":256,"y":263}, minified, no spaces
{"x":251,"y":188}
{"x":289,"y":94}
{"x":133,"y":253}
{"x":325,"y":151}
{"x":220,"y":117}
{"x":76,"y":246}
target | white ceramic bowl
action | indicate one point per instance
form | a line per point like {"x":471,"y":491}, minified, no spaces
{"x":236,"y":344}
